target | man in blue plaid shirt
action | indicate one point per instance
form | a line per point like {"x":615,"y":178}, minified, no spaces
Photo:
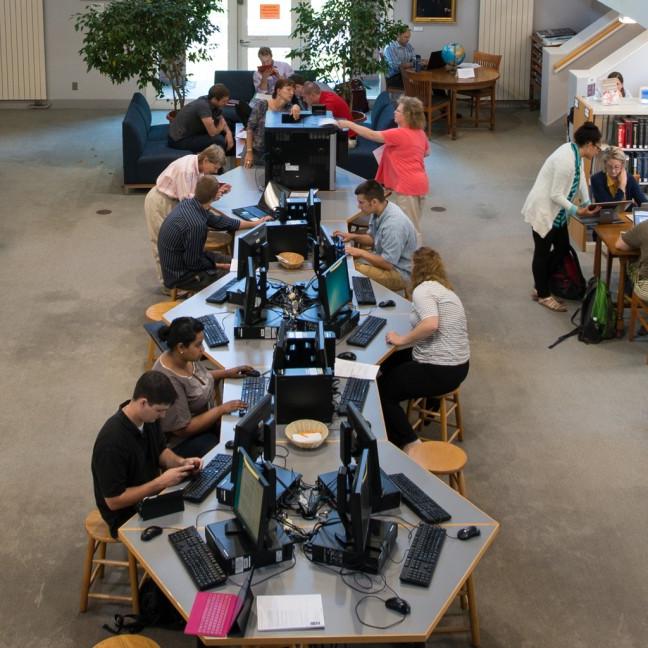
{"x":399,"y":56}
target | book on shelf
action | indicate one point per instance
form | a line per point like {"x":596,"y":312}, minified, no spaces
{"x":625,"y":132}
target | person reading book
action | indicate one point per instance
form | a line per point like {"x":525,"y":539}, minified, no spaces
{"x":269,"y":72}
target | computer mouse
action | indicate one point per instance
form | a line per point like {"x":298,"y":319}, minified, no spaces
{"x":252,"y":373}
{"x":387,"y":303}
{"x":398,"y":605}
{"x":468,"y":532}
{"x":150,"y":532}
{"x":347,"y":355}
{"x":229,"y":445}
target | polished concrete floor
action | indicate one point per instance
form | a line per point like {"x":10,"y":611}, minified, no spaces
{"x":556,"y":439}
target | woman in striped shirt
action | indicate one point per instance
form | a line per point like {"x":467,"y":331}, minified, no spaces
{"x":437,"y":363}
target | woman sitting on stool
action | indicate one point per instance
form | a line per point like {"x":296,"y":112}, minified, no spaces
{"x":192,"y":423}
{"x":438,"y":362}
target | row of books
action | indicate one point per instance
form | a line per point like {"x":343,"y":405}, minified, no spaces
{"x":626,"y":132}
{"x":638,"y":165}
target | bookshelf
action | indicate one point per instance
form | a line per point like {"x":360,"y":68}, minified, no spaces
{"x":540,"y":39}
{"x":625,"y":125}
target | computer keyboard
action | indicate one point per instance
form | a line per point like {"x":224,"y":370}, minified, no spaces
{"x":423,"y":555}
{"x":423,"y":505}
{"x":367,"y":331}
{"x":197,"y":559}
{"x":363,"y":290}
{"x":254,"y":389}
{"x":213,"y":332}
{"x":355,"y":391}
{"x":208,"y":478}
{"x":220,"y":296}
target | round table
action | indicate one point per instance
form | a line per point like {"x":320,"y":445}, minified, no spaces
{"x":444,"y":80}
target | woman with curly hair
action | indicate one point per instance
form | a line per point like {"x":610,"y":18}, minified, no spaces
{"x":437,"y":363}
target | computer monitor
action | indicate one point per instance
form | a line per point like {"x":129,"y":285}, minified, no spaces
{"x":354,"y":504}
{"x":291,"y":236}
{"x":255,"y":433}
{"x":328,"y":250}
{"x":252,"y":492}
{"x":254,"y":298}
{"x":335,"y":288}
{"x":273,"y":196}
{"x":252,"y":244}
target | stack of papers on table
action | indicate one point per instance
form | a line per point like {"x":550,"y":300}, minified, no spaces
{"x":290,"y":612}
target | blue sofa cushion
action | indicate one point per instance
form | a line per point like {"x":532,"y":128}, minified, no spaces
{"x":382,"y":100}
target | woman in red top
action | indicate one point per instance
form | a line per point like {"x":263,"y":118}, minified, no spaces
{"x":401,"y":167}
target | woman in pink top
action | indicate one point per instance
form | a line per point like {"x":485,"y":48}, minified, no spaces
{"x":401,"y":167}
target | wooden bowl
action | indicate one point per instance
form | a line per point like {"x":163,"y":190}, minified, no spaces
{"x":306,"y":433}
{"x":290,"y":260}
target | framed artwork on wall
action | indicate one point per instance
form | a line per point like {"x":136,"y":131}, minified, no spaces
{"x":434,"y":11}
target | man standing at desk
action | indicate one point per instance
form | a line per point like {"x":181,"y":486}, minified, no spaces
{"x":399,"y":55}
{"x":130,"y":450}
{"x":391,"y":237}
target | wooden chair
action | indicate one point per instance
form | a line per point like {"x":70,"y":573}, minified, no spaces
{"x":638,"y":311}
{"x":127,"y":641}
{"x":448,"y":405}
{"x":98,"y":539}
{"x":155,"y":313}
{"x":417,"y":84}
{"x":476,"y":96}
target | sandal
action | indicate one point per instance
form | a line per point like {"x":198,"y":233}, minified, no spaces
{"x":534,"y":296}
{"x":552,"y":304}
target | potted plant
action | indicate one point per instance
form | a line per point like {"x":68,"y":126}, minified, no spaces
{"x":146,"y":40}
{"x":344,"y":40}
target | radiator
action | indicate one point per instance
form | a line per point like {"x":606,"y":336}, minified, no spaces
{"x":22,"y":50}
{"x":505,"y":27}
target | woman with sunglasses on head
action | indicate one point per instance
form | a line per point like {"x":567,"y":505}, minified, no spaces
{"x":552,"y":200}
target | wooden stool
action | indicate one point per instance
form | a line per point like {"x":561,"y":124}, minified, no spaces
{"x":98,"y":538}
{"x":639,"y":310}
{"x":442,"y":458}
{"x":219,"y":242}
{"x":127,"y":641}
{"x":449,"y":404}
{"x":155,"y":313}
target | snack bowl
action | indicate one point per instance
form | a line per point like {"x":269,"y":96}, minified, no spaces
{"x":306,"y":433}
{"x":290,"y":260}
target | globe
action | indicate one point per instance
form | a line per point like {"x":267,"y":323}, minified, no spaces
{"x":453,"y":54}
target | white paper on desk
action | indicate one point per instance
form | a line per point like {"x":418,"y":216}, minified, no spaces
{"x":241,"y":134}
{"x":289,"y":612}
{"x":327,"y":121}
{"x":378,"y":153}
{"x":352,"y":369}
{"x":466,"y":64}
{"x":465,"y":73}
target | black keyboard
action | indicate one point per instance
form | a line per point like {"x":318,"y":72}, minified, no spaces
{"x":363,"y":290}
{"x":205,"y":482}
{"x":367,"y":331}
{"x":220,"y":296}
{"x":355,"y":391}
{"x":254,"y":389}
{"x":198,"y":560}
{"x":423,"y":505}
{"x":423,"y":555}
{"x":214,"y":334}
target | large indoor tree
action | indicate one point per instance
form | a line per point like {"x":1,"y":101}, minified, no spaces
{"x":147,"y":39}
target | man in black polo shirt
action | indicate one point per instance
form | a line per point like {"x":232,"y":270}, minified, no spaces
{"x":130,"y":451}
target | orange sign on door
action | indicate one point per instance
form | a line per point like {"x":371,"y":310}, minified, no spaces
{"x":269,"y":11}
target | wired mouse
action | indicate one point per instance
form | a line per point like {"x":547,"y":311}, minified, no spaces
{"x":150,"y":532}
{"x":398,"y":605}
{"x":387,"y":303}
{"x":252,"y":373}
{"x":229,"y":445}
{"x":347,"y":355}
{"x":468,"y":532}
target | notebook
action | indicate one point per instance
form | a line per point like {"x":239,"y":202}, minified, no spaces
{"x":290,"y":612}
{"x":268,"y":202}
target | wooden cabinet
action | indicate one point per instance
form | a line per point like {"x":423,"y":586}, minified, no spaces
{"x":540,"y":39}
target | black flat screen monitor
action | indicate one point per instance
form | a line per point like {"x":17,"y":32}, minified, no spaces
{"x":291,"y":236}
{"x":329,"y":253}
{"x":335,"y":288}
{"x":359,"y":505}
{"x":251,"y":497}
{"x":254,"y":297}
{"x":251,"y":244}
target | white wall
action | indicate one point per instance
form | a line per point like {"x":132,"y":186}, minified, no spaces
{"x":636,"y":9}
{"x":577,"y":14}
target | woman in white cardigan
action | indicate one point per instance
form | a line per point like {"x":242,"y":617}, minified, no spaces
{"x":551,"y":201}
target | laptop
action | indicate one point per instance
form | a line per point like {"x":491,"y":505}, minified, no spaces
{"x":268,"y":202}
{"x":435,"y":61}
{"x":640,"y":214}
{"x":610,"y":212}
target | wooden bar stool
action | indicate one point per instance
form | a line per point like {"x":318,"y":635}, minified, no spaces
{"x":448,"y":404}
{"x":155,"y":313}
{"x":98,"y":539}
{"x":638,"y":311}
{"x":127,"y":641}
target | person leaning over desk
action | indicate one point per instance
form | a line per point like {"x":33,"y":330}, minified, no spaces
{"x":637,"y":239}
{"x":550,"y":203}
{"x":131,"y":450}
{"x":438,"y":362}
{"x":255,"y":141}
{"x":614,"y":183}
{"x":192,"y":423}
{"x":391,"y":237}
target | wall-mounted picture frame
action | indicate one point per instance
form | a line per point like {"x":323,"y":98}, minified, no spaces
{"x":434,"y":11}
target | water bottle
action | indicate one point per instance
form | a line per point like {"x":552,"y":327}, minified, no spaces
{"x":339,"y":247}
{"x":417,"y":63}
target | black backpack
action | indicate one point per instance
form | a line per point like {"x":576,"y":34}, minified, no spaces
{"x":565,"y":276}
{"x":597,"y":315}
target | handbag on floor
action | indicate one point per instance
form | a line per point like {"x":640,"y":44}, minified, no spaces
{"x":566,"y":279}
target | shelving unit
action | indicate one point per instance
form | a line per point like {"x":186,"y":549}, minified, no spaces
{"x":540,"y":39}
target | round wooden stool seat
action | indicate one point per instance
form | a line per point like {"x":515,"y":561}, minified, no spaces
{"x":155,"y":312}
{"x":127,"y":641}
{"x":439,"y":457}
{"x":97,"y":529}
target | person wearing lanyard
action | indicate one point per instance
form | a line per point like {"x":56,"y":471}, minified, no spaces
{"x":551,"y":201}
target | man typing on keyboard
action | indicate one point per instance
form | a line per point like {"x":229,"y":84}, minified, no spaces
{"x":391,"y":237}
{"x":130,"y":459}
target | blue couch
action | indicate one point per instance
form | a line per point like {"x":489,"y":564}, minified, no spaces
{"x":145,"y":150}
{"x":361,"y":159}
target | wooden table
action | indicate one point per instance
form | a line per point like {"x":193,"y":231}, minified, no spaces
{"x":607,"y":235}
{"x":444,"y":80}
